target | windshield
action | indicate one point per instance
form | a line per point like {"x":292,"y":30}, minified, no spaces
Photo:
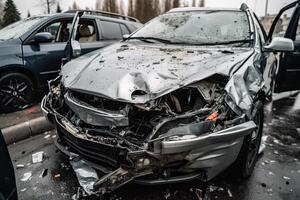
{"x":198,"y":27}
{"x":17,"y":29}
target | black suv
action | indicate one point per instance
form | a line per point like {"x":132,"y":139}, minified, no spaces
{"x":31,"y":50}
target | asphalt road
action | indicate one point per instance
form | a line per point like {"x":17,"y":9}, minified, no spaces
{"x":276,"y":176}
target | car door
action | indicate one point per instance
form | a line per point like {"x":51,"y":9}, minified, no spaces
{"x":286,"y":24}
{"x":46,"y":58}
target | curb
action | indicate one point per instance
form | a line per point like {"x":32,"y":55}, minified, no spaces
{"x":27,"y":129}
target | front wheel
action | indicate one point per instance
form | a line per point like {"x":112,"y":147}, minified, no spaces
{"x":247,"y":158}
{"x":16,"y":92}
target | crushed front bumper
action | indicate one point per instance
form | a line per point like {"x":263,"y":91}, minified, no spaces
{"x":207,"y":154}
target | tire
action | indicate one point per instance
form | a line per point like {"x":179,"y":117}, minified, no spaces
{"x":247,"y":158}
{"x":17,"y":92}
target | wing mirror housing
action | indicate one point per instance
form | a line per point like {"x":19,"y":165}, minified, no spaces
{"x":126,"y":36}
{"x":43,"y":37}
{"x":280,"y":44}
{"x":76,"y":49}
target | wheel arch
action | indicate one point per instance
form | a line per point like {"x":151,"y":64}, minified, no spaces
{"x":21,"y":69}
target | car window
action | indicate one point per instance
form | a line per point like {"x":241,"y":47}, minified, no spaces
{"x":87,"y":32}
{"x":111,"y":30}
{"x":282,"y":23}
{"x":124,"y":29}
{"x":60,"y":30}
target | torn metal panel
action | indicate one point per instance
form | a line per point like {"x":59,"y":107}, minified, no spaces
{"x":242,"y":88}
{"x":95,"y":116}
{"x":168,"y":146}
{"x":86,"y":175}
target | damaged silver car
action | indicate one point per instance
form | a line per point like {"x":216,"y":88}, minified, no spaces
{"x":179,"y":99}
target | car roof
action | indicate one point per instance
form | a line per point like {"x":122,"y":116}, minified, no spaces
{"x":90,"y":16}
{"x":189,"y":9}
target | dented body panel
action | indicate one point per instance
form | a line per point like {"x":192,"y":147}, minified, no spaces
{"x":157,"y":113}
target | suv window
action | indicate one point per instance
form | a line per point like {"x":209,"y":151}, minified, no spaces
{"x":60,"y":30}
{"x":111,"y":30}
{"x":124,"y":29}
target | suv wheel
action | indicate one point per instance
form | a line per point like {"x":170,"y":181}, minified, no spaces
{"x":16,"y":92}
{"x":247,"y":158}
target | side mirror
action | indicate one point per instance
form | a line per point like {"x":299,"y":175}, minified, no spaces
{"x":126,"y":36}
{"x":279,"y":44}
{"x":76,"y":49}
{"x":44,"y":37}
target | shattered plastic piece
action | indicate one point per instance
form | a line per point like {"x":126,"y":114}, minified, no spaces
{"x":26,"y":176}
{"x":86,"y":175}
{"x":271,"y":173}
{"x":44,"y":173}
{"x":23,"y":189}
{"x":47,"y":136}
{"x":262,"y":146}
{"x":286,"y":178}
{"x":242,"y":87}
{"x":229,"y":193}
{"x":212,"y":188}
{"x":56,"y":177}
{"x":19,"y":166}
{"x":199,"y":194}
{"x":38,"y":157}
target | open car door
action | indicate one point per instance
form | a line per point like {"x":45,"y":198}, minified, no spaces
{"x":286,"y":24}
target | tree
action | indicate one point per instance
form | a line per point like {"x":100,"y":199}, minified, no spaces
{"x":58,"y":8}
{"x":202,"y":3}
{"x":110,"y":6}
{"x":11,"y":13}
{"x":130,"y":8}
{"x":1,"y":12}
{"x":48,"y":5}
{"x":75,"y":6}
{"x":28,"y":14}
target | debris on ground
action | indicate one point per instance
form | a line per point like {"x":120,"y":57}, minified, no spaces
{"x":19,"y":166}
{"x":56,"y":177}
{"x":199,"y":194}
{"x":286,"y":178}
{"x":229,"y":193}
{"x":26,"y":176}
{"x":38,"y":157}
{"x":271,"y":173}
{"x":262,"y":146}
{"x":44,"y":173}
{"x":47,"y":136}
{"x":23,"y":189}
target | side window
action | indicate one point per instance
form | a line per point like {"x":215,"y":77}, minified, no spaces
{"x":281,"y":25}
{"x":111,"y":30}
{"x":124,"y":29}
{"x":59,"y":30}
{"x":87,"y":32}
{"x":297,"y":38}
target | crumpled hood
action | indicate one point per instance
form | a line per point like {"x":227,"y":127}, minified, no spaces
{"x":123,"y":70}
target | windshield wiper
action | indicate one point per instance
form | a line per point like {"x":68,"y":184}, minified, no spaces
{"x":146,"y":39}
{"x":231,"y":42}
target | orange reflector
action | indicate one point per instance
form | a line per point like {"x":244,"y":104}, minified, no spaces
{"x":212,"y":117}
